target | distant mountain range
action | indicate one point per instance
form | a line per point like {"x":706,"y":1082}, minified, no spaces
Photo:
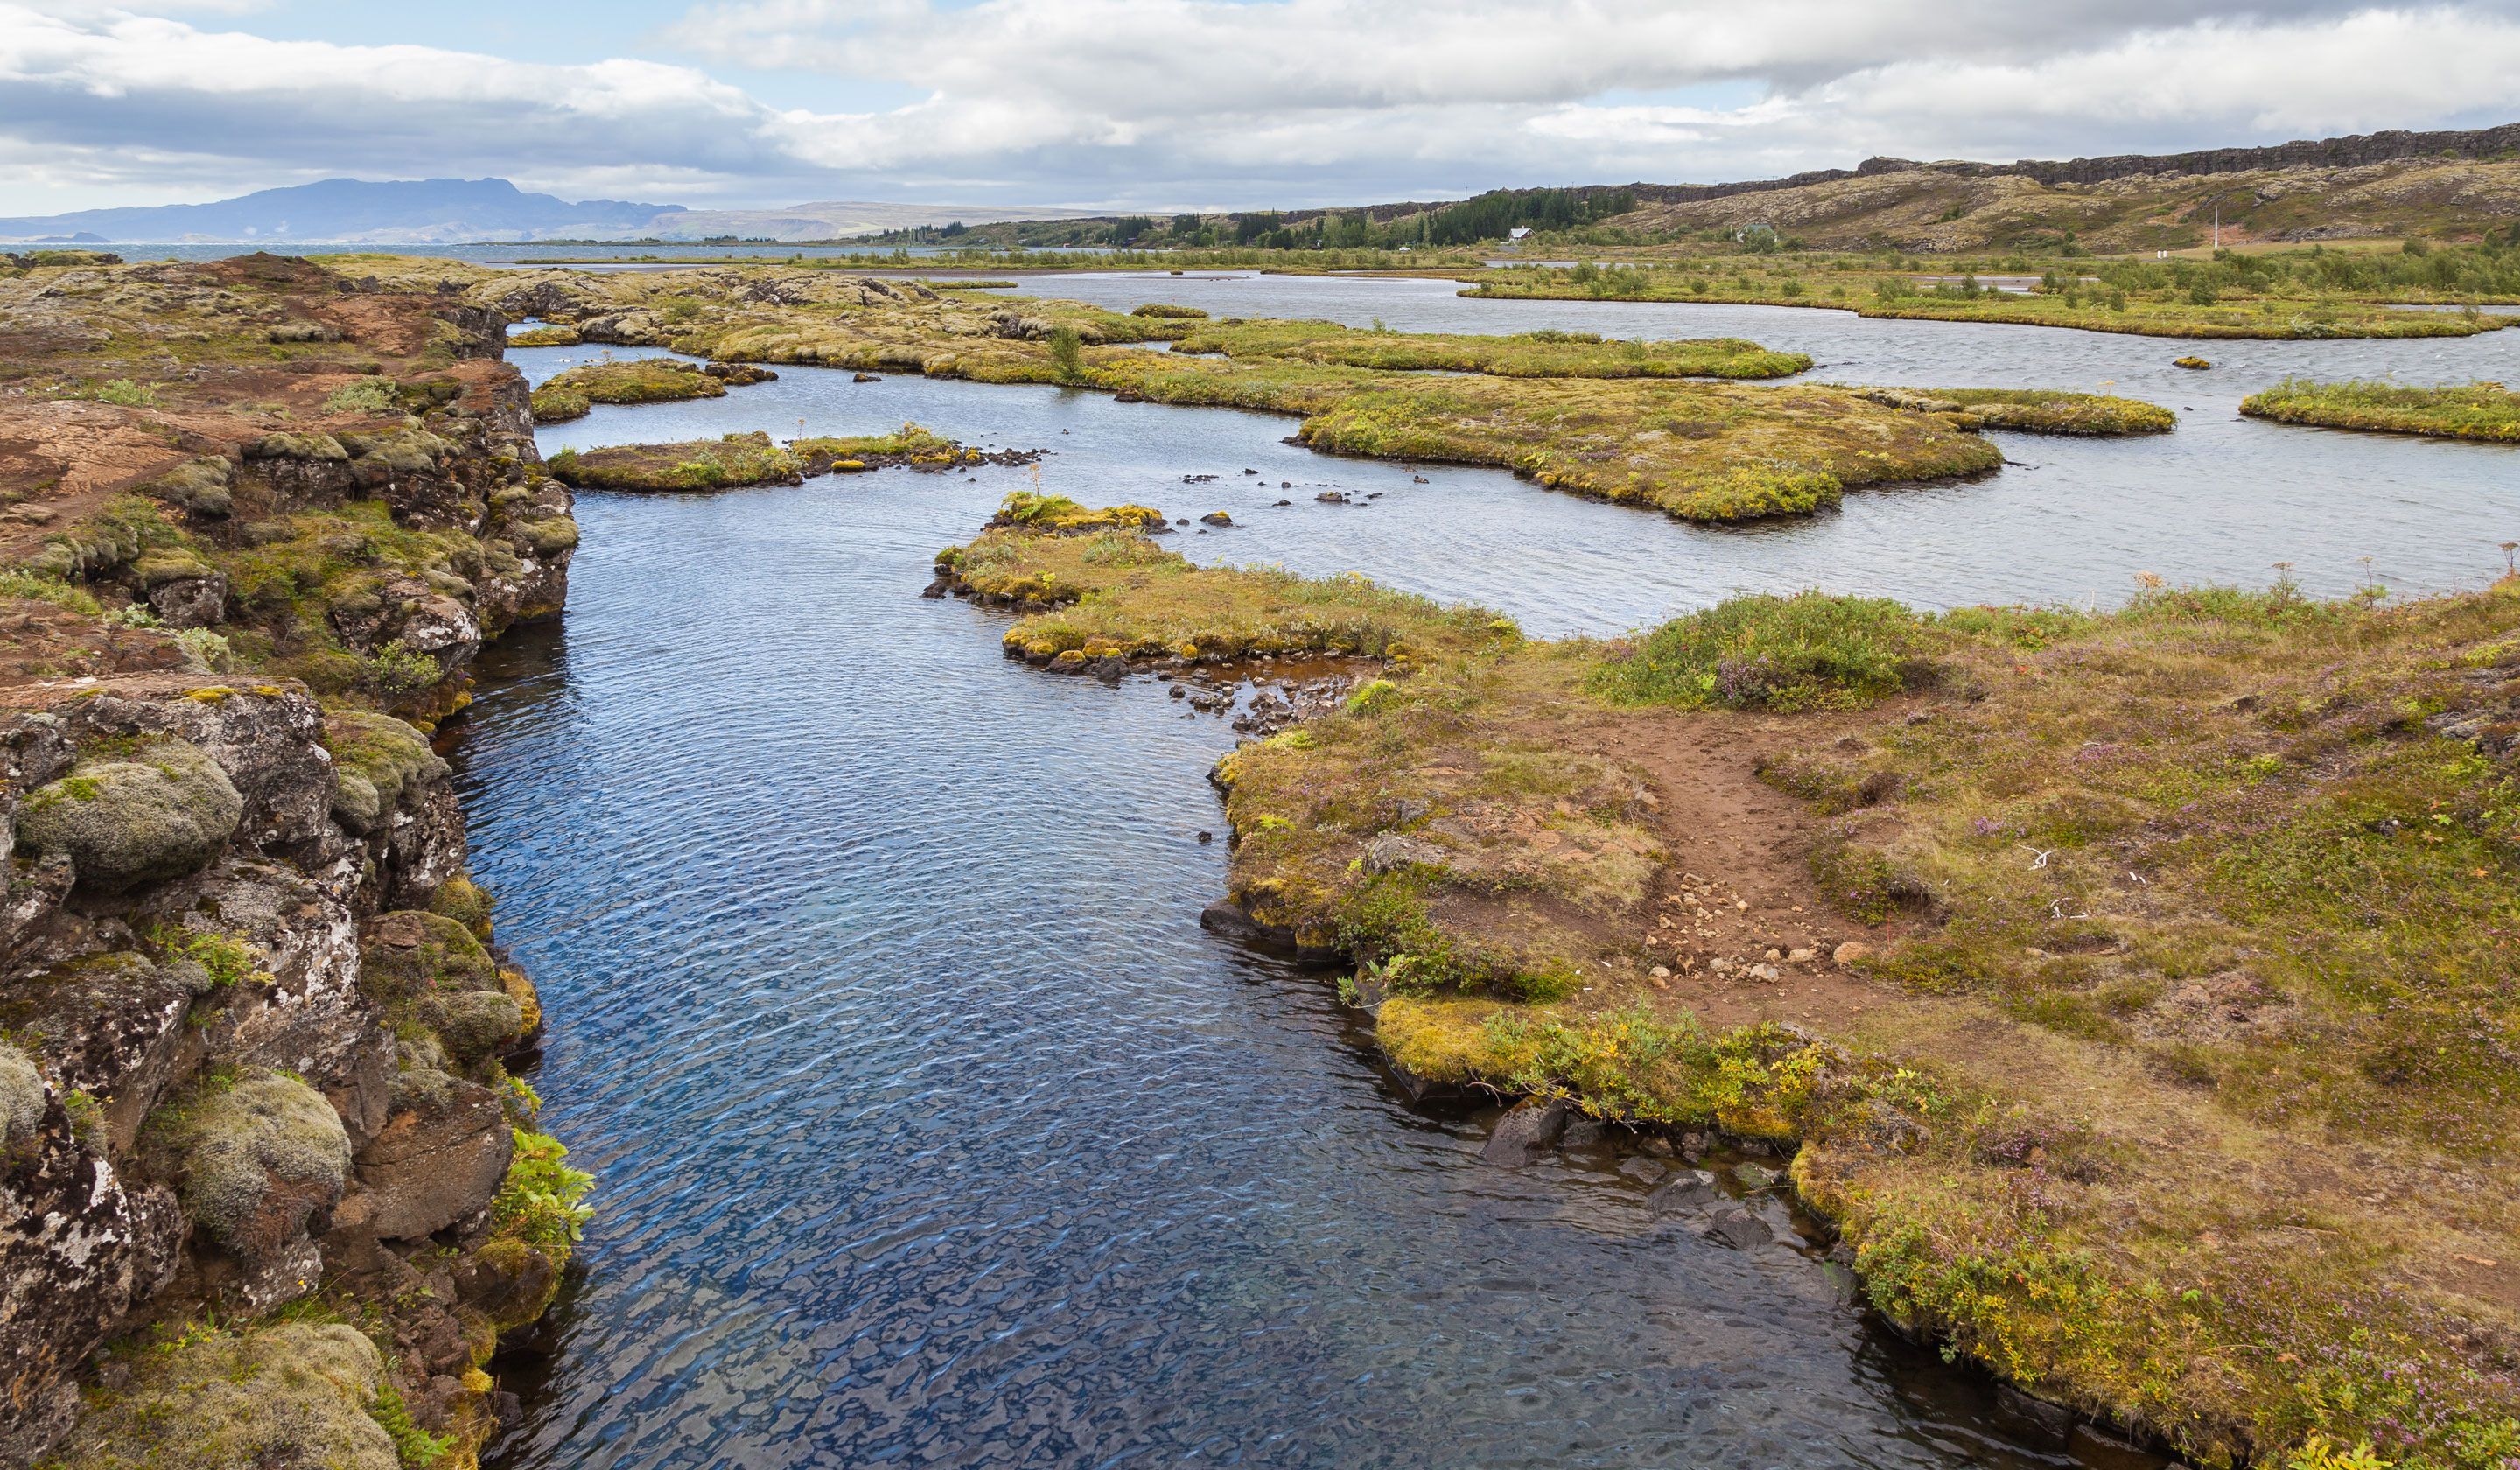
{"x":448,"y":212}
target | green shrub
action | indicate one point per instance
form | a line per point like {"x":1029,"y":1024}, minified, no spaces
{"x":541,"y":1201}
{"x":1804,"y":651}
{"x":1066,"y":354}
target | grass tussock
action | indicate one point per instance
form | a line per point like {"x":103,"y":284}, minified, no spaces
{"x":2471,"y":411}
{"x":1032,"y":510}
{"x":1811,"y":650}
{"x":1117,"y":593}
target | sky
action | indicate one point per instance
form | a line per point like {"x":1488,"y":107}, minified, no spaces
{"x":1162,"y":105}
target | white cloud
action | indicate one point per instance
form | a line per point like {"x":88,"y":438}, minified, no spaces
{"x":1211,"y":102}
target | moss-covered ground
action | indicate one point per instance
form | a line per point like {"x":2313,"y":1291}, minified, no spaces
{"x":572,"y":392}
{"x":2486,"y":411}
{"x":739,"y":460}
{"x":1532,"y":354}
{"x":1611,"y":420}
{"x":2133,"y":988}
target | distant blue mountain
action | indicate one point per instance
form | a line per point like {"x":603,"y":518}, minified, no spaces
{"x":414,"y":211}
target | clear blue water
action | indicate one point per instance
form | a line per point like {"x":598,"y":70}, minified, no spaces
{"x":931,"y":1128}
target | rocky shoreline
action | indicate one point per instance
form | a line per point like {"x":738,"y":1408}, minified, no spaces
{"x":273,"y":1192}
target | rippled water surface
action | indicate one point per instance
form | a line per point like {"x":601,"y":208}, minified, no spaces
{"x":931,"y":1128}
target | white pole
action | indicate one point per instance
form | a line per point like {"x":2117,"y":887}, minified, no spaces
{"x":2217,"y":225}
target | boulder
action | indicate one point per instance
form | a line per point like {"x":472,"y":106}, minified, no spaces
{"x":258,"y":1158}
{"x":162,"y":813}
{"x":507,"y":1281}
{"x":267,"y":740}
{"x":189,"y":602}
{"x":1529,"y":1131}
{"x":108,"y":1025}
{"x":78,"y":1249}
{"x":291,"y":949}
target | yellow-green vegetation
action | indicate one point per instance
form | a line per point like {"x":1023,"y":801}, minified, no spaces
{"x":1708,"y":451}
{"x":739,"y":460}
{"x":2470,"y":411}
{"x":2315,"y":294}
{"x":1116,"y":594}
{"x":1032,"y":510}
{"x":541,"y":1203}
{"x":1704,"y":451}
{"x":1807,"y":652}
{"x":2035,"y":411}
{"x":1530,"y":354}
{"x":544,"y":336}
{"x":572,"y":393}
{"x":295,"y":1396}
{"x":2191,"y":363}
{"x":2175,"y":1083}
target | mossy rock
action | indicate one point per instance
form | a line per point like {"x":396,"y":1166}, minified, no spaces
{"x":293,"y":1396}
{"x":410,"y":953}
{"x":323,"y":447}
{"x":403,"y":451}
{"x":474,"y":1025}
{"x":22,"y":1096}
{"x":258,"y":1153}
{"x":157,"y":568}
{"x":466,"y":902}
{"x":544,"y":336}
{"x":201,"y":486}
{"x":376,"y":758}
{"x":551,"y":537}
{"x":162,"y":812}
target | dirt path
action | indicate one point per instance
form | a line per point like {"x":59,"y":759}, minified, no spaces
{"x":1739,"y":916}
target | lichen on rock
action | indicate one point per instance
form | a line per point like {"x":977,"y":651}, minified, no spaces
{"x":22,"y":1096}
{"x":259,"y":1156}
{"x":160,"y":814}
{"x":376,"y":759}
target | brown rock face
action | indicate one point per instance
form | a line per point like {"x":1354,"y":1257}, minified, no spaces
{"x":434,"y":1166}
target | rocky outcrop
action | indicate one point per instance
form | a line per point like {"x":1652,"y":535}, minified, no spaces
{"x":254,"y":1035}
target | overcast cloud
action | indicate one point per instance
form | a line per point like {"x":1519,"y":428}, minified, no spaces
{"x":1172,"y":103}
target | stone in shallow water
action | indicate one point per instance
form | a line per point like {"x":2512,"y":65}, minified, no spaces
{"x":1526,"y":1132}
